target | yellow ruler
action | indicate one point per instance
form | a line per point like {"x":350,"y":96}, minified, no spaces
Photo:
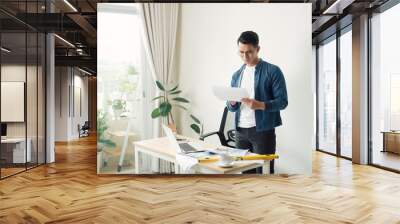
{"x":237,"y":158}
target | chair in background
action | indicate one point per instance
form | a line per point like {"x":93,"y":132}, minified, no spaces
{"x":84,"y":130}
{"x":229,"y":139}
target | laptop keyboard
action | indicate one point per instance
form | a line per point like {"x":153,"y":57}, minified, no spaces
{"x":187,"y":148}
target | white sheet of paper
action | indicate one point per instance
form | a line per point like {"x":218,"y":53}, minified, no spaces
{"x":230,"y":93}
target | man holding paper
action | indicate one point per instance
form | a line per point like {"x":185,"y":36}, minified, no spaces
{"x":257,"y":116}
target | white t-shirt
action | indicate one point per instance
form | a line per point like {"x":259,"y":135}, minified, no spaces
{"x":247,"y":116}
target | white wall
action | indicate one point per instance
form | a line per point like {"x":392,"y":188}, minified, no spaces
{"x":16,"y":73}
{"x":61,"y":104}
{"x":67,"y":85}
{"x":33,"y":127}
{"x":207,"y":55}
{"x":80,"y":83}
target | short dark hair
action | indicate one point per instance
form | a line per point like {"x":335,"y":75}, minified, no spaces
{"x":248,"y":37}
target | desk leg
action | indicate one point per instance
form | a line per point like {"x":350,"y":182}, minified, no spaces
{"x":137,"y":165}
{"x":265,"y":168}
{"x":124,"y":146}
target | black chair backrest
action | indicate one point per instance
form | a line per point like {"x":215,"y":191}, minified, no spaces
{"x":221,"y":132}
{"x":86,"y":125}
{"x":223,"y":121}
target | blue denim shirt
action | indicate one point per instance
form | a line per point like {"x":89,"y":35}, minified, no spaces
{"x":270,"y":88}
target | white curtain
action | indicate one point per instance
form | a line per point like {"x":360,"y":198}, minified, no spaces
{"x":159,"y":29}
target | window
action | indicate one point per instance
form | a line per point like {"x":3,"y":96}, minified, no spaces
{"x":346,"y":94}
{"x":119,"y":89}
{"x":394,"y":101}
{"x":327,"y":96}
{"x":385,"y":89}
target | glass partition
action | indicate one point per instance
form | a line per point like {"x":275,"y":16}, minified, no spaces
{"x":14,"y":152}
{"x":23,"y":89}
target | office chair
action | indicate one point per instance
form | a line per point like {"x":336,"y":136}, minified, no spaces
{"x":84,"y":130}
{"x":228,"y":141}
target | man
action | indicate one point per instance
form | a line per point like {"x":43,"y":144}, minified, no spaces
{"x":257,"y":116}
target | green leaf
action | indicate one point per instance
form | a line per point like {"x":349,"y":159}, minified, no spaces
{"x":118,"y":104}
{"x":160,"y":86}
{"x":175,"y":92}
{"x":155,"y":113}
{"x":195,"y":119}
{"x":181,"y":99}
{"x":173,"y":89}
{"x":195,"y":128}
{"x":158,"y":97}
{"x":165,"y":108}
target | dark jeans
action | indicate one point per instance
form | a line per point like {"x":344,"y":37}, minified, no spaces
{"x":258,"y":142}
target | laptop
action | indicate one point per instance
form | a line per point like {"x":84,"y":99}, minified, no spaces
{"x":183,"y":147}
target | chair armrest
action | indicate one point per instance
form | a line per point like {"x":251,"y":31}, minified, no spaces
{"x":208,"y":135}
{"x":231,"y":135}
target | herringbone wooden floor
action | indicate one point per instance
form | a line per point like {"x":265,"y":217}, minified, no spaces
{"x":69,"y":191}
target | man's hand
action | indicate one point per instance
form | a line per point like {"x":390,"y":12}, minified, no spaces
{"x":254,"y":104}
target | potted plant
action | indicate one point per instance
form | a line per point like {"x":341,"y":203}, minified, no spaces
{"x":102,"y":140}
{"x":118,"y":107}
{"x":197,"y":126}
{"x":169,"y":98}
{"x":129,"y":83}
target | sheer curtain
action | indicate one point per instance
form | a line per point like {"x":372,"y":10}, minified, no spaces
{"x":159,"y":31}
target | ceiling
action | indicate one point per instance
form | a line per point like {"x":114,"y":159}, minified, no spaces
{"x":76,"y":22}
{"x":76,"y":28}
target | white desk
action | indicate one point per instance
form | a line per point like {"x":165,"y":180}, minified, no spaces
{"x":162,"y":149}
{"x":19,"y":149}
{"x":126,"y":136}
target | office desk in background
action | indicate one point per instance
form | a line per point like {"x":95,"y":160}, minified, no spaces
{"x":391,"y":141}
{"x":13,"y":150}
{"x":161,"y":148}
